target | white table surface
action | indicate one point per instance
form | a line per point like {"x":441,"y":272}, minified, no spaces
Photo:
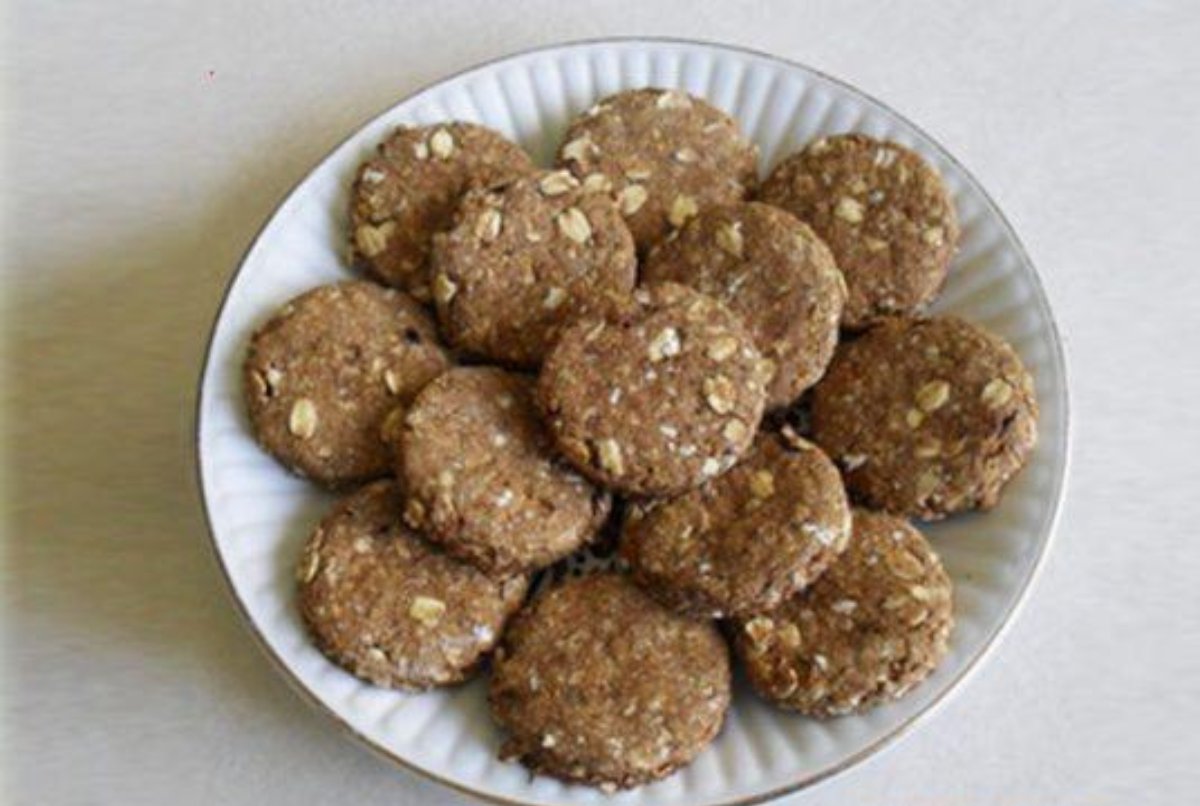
{"x":144,"y":144}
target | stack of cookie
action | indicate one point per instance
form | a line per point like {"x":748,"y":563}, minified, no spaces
{"x":618,"y":347}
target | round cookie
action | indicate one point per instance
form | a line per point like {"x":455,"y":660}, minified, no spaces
{"x":664,"y":154}
{"x":321,"y":376}
{"x":662,"y":394}
{"x":482,"y":478}
{"x":386,"y":606}
{"x":771,"y":270}
{"x":408,"y":191}
{"x":524,"y":258}
{"x":872,"y":627}
{"x":596,"y":683}
{"x":926,"y":416}
{"x":883,"y":211}
{"x":744,"y":542}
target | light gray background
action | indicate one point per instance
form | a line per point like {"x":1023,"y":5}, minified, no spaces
{"x":145,"y":143}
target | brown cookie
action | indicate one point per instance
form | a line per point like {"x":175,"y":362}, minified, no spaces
{"x":596,"y":683}
{"x":771,"y":270}
{"x":388,"y":607}
{"x":664,"y":154}
{"x":743,"y":542}
{"x":409,"y":189}
{"x":884,"y":213}
{"x":482,"y":478}
{"x":926,"y":416}
{"x":322,"y":375}
{"x":872,"y":627}
{"x":524,"y":258}
{"x":663,"y":393}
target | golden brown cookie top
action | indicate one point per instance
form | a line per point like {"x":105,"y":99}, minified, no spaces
{"x":597,"y":683}
{"x":884,"y":213}
{"x":409,"y":189}
{"x":663,"y":393}
{"x":664,"y":154}
{"x":872,"y":627}
{"x":322,"y":374}
{"x":390,"y":608}
{"x":771,"y":270}
{"x":745,"y":541}
{"x":926,"y":416}
{"x":523,"y":259}
{"x":482,"y":478}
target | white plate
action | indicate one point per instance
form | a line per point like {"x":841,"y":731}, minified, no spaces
{"x":259,"y":515}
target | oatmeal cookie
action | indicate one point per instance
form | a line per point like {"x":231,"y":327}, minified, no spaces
{"x":596,"y":683}
{"x":482,"y":478}
{"x":746,"y":541}
{"x":926,"y":416}
{"x":408,"y":191}
{"x":873,"y":626}
{"x":771,"y":270}
{"x":390,"y":608}
{"x":321,"y":376}
{"x":885,"y":214}
{"x":523,"y":259}
{"x":662,"y":394}
{"x":664,"y":154}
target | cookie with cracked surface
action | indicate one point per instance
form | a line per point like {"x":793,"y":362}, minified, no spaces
{"x":664,"y":392}
{"x":744,"y":542}
{"x":390,"y":608}
{"x":597,"y":683}
{"x":873,"y":626}
{"x":482,"y":478}
{"x":409,"y":189}
{"x":927,"y":416}
{"x":664,"y":154}
{"x":885,"y":214}
{"x":524,"y":258}
{"x":321,"y":376}
{"x":774,"y":272}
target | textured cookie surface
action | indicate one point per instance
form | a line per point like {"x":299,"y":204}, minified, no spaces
{"x":321,"y":376}
{"x":597,"y":683}
{"x":926,"y":416}
{"x":663,"y":154}
{"x":388,"y":607}
{"x":482,"y":478}
{"x":771,"y":270}
{"x":409,"y":189}
{"x":743,"y":542}
{"x":872,"y":627}
{"x":884,"y":213}
{"x":524,"y":258}
{"x":663,"y":393}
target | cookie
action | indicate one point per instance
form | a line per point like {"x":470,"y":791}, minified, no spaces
{"x":883,"y":211}
{"x":596,"y":683}
{"x":926,"y":416}
{"x":744,"y":542}
{"x":409,"y":190}
{"x":664,"y":154}
{"x":388,"y":607}
{"x":321,"y":376}
{"x":482,"y":479}
{"x":771,"y":270}
{"x":872,"y":627}
{"x":662,"y":394}
{"x":523,"y":259}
